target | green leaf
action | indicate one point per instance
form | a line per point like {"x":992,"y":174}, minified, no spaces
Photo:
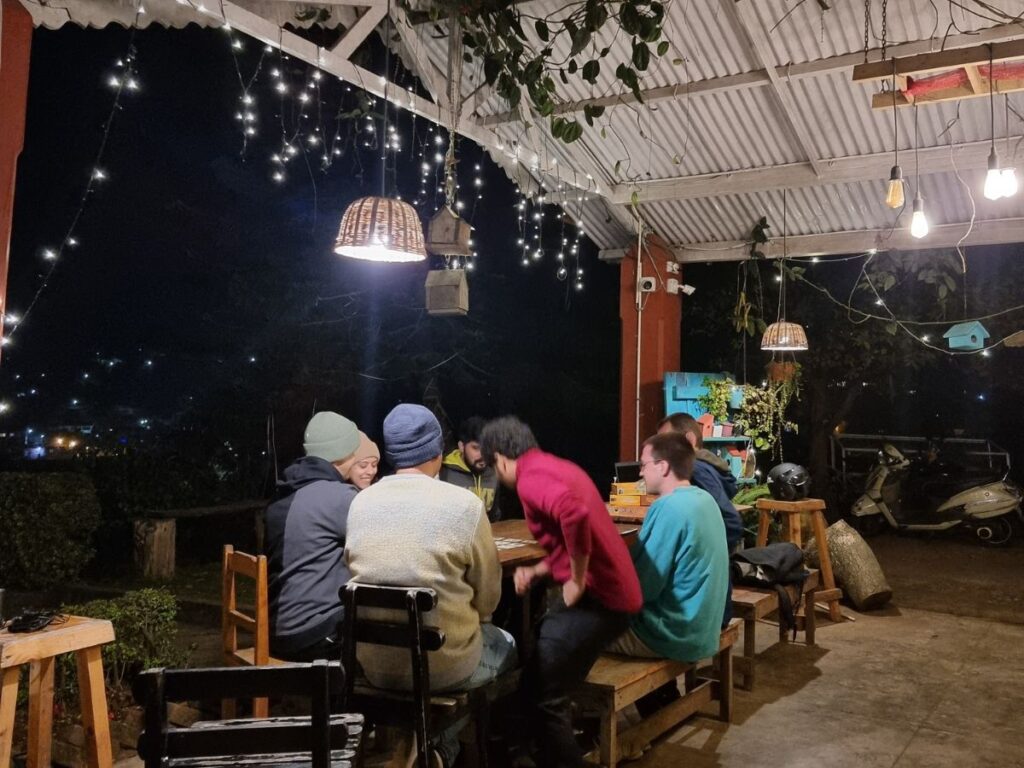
{"x":641,"y":56}
{"x":891,"y":328}
{"x":604,"y":132}
{"x":542,"y":30}
{"x":618,"y":165}
{"x":629,"y":19}
{"x":573,"y":66}
{"x":596,"y":110}
{"x":579,"y":41}
{"x":591,"y":70}
{"x":563,"y":76}
{"x":492,"y":68}
{"x":573,"y":130}
{"x":634,"y":199}
{"x":557,"y":127}
{"x":663,"y":47}
{"x":889,"y":283}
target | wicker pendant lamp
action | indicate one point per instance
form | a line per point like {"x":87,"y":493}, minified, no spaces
{"x":381,"y":228}
{"x":783,"y":336}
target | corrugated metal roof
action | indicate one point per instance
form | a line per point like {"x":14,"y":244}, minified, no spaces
{"x":721,"y":131}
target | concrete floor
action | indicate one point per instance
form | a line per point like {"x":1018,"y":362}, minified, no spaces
{"x":899,"y":687}
{"x":935,"y":679}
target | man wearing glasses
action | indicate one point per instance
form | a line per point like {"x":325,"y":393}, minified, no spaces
{"x":681,"y":558}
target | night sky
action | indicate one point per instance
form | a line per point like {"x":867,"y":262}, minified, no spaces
{"x":195,"y":269}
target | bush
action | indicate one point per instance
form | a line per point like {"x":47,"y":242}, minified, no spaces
{"x":144,"y":636}
{"x":46,"y":524}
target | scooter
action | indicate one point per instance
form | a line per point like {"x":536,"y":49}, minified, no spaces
{"x":986,"y":508}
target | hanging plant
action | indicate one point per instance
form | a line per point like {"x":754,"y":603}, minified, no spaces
{"x":762,"y":417}
{"x":514,"y":61}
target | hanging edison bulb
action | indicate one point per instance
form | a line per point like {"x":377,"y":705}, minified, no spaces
{"x":919,"y":222}
{"x":894,"y":197}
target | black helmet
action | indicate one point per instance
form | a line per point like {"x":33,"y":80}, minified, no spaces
{"x":788,"y":482}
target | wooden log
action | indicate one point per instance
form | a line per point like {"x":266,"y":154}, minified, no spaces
{"x":154,"y":548}
{"x":854,"y":565}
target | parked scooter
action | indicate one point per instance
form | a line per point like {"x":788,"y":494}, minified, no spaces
{"x":910,"y":497}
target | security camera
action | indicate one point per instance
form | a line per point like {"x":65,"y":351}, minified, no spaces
{"x":648,"y":285}
{"x":673,"y":286}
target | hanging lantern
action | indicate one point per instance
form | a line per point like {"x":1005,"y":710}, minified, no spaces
{"x":380,"y":229}
{"x":447,"y":292}
{"x":782,"y":336}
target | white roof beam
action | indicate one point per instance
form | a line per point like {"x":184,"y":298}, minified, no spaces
{"x":837,"y":170}
{"x":985,"y":232}
{"x":760,"y":77}
{"x":359,"y":31}
{"x":746,"y":25}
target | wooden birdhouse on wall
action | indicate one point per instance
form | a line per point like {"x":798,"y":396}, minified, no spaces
{"x":447,"y":292}
{"x":970,"y":335}
{"x":448,"y":235}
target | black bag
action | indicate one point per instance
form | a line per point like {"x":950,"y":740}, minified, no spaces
{"x":773,"y":566}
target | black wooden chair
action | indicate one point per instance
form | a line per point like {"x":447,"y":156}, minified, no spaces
{"x":424,"y":711}
{"x":322,"y":740}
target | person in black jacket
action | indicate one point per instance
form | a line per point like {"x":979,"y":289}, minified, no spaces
{"x":305,"y":542}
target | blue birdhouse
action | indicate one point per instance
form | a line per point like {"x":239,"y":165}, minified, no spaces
{"x":970,"y":335}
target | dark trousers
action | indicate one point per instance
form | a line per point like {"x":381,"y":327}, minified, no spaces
{"x":569,"y":641}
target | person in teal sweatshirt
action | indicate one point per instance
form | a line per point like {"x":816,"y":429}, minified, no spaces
{"x":682,"y":560}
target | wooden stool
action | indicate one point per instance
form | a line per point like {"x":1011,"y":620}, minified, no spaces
{"x":78,"y":635}
{"x":791,"y":532}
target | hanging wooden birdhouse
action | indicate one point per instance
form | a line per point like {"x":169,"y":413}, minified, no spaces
{"x":970,"y":335}
{"x":447,"y":292}
{"x":448,"y":235}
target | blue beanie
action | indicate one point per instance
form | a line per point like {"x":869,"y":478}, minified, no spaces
{"x":412,"y":436}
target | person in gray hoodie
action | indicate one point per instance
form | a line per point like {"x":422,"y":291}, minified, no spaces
{"x":305,"y":542}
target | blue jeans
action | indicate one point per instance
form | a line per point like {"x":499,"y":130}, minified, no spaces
{"x":497,"y":657}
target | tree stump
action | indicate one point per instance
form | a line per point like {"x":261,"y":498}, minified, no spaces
{"x":855,"y":567}
{"x":154,"y":548}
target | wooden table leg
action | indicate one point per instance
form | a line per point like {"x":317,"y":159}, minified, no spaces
{"x":828,"y":580}
{"x":795,"y":535}
{"x":40,"y":712}
{"x":94,"y":707}
{"x":8,"y":703}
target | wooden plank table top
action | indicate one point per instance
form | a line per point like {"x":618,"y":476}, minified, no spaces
{"x":76,"y":633}
{"x":516,"y":545}
{"x":636,"y":515}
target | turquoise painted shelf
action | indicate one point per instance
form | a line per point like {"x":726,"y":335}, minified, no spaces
{"x":732,"y":439}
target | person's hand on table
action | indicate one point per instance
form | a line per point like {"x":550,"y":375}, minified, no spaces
{"x":526,"y":575}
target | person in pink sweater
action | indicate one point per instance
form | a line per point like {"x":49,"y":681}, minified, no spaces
{"x":586,"y":555}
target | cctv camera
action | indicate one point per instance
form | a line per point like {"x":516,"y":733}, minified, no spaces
{"x":647,"y":285}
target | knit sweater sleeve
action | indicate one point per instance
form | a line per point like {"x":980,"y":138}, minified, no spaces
{"x":484,"y":570}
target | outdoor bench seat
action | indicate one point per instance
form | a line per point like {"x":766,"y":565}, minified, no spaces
{"x":752,"y":604}
{"x":616,"y":681}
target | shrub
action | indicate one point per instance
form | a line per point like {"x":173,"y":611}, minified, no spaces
{"x":145,"y":635}
{"x":46,"y":524}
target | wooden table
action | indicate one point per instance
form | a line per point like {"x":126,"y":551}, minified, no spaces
{"x":81,"y":636}
{"x":635,"y":515}
{"x":792,"y":510}
{"x":526,"y":551}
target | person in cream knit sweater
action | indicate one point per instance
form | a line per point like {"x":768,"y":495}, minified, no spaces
{"x":411,"y":529}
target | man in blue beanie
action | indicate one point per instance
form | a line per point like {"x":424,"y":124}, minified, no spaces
{"x":411,"y":528}
{"x":305,"y":534}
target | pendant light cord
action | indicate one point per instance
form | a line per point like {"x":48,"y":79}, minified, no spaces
{"x":991,"y":96}
{"x":917,"y":158}
{"x":895,"y":119}
{"x":387,"y":77}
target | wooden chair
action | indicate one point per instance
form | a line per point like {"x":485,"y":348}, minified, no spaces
{"x":237,"y":564}
{"x":398,"y":708}
{"x":322,"y":739}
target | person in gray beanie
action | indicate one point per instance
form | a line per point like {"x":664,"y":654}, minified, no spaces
{"x":411,"y":528}
{"x":306,"y":527}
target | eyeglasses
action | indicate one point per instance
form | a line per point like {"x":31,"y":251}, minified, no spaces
{"x":645,"y":463}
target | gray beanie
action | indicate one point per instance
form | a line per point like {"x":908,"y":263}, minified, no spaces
{"x":331,"y":437}
{"x":412,"y":436}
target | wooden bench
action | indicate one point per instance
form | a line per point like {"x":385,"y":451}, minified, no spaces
{"x":615,"y":682}
{"x":754,"y":603}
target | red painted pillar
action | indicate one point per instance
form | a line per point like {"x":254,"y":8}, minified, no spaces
{"x":659,"y":334}
{"x":15,"y":45}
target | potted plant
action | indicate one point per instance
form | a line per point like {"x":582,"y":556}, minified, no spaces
{"x":718,"y":398}
{"x":781,"y":371}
